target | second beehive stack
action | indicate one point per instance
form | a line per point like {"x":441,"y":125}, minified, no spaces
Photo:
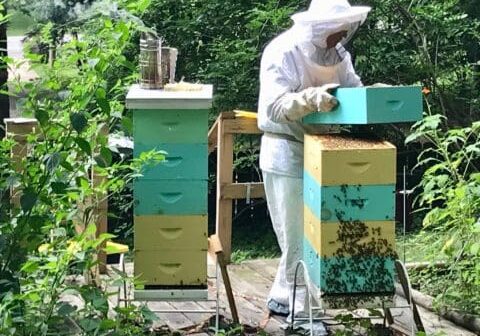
{"x":349,"y":228}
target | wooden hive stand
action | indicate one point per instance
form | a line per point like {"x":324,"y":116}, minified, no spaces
{"x":221,"y":137}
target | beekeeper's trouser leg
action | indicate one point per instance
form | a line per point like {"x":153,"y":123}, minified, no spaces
{"x":285,"y":204}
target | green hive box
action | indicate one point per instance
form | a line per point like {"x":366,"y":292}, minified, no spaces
{"x":372,"y":105}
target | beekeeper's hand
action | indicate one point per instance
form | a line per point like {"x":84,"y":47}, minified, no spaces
{"x":296,"y":105}
{"x":320,"y":98}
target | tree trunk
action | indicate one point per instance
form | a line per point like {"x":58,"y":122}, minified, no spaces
{"x":4,"y":99}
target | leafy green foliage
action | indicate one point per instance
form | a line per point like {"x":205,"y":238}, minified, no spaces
{"x":41,"y":248}
{"x":450,"y":192}
{"x":430,"y":43}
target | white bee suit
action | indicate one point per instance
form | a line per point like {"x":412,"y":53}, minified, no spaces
{"x":296,"y":69}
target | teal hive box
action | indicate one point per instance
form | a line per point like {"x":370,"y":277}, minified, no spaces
{"x":349,"y":202}
{"x":152,"y":127}
{"x":373,"y":105}
{"x":364,"y":274}
{"x":170,"y":197}
{"x":182,"y":161}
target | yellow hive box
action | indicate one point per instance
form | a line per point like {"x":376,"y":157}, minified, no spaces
{"x":355,"y":237}
{"x":157,"y":232}
{"x":172,"y":267}
{"x":335,"y":160}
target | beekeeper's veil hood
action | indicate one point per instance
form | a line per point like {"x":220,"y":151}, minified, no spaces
{"x":326,"y":17}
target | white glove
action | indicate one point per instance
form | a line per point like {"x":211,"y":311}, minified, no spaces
{"x":295,"y":106}
{"x":320,"y":98}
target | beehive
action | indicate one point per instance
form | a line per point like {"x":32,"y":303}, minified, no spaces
{"x":349,"y":229}
{"x":170,"y":199}
{"x":373,"y":105}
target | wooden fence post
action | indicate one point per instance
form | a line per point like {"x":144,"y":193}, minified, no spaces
{"x":18,"y":129}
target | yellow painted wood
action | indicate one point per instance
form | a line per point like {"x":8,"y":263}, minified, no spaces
{"x":171,"y":232}
{"x":171,"y":267}
{"x":339,"y":160}
{"x":323,"y":237}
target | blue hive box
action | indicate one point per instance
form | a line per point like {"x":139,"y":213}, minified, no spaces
{"x":373,"y":105}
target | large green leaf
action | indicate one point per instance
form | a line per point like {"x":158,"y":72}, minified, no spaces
{"x":104,"y":159}
{"x":28,"y":200}
{"x":52,"y":161}
{"x":84,"y":145}
{"x":79,"y":122}
{"x":42,"y":116}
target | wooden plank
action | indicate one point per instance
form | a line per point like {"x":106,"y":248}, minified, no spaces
{"x":228,"y":286}
{"x":224,"y":176}
{"x":254,"y":313}
{"x":249,"y":284}
{"x":240,"y":190}
{"x":213,"y":132}
{"x":197,"y":318}
{"x":175,"y":320}
{"x":100,"y":211}
{"x":242,"y":126}
{"x":213,"y":136}
{"x":18,"y":129}
{"x":227,"y":115}
{"x":214,"y":246}
{"x":266,"y":268}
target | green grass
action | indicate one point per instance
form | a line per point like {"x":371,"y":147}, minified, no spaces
{"x":19,"y":24}
{"x":411,"y":247}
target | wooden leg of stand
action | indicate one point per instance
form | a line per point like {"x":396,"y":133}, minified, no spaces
{"x":228,"y":287}
{"x":215,"y":248}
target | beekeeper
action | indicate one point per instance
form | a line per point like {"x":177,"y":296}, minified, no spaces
{"x":298,"y":69}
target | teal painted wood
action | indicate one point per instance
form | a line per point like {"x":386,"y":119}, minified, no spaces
{"x":170,"y":197}
{"x":182,"y":161}
{"x":350,"y":275}
{"x":349,"y":202}
{"x":153,"y":127}
{"x":368,"y":105}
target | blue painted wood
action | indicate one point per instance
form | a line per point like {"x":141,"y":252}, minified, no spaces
{"x":350,"y":275}
{"x":170,"y":197}
{"x":153,"y":127}
{"x":182,"y":161}
{"x":349,"y":202}
{"x":368,"y":105}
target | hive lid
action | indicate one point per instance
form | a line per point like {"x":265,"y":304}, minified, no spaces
{"x":138,"y":98}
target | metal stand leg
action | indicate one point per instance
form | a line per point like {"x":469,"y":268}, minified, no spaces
{"x":217,"y":310}
{"x":125,"y":293}
{"x":311,"y":305}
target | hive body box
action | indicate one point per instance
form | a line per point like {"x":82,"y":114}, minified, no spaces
{"x":349,"y":228}
{"x":170,"y":198}
{"x":373,"y":105}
